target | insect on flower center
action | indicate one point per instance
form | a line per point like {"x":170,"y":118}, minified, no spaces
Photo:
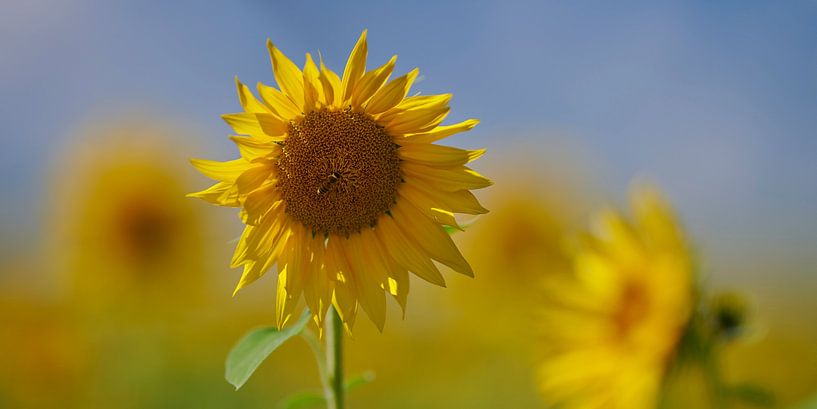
{"x":338,"y":172}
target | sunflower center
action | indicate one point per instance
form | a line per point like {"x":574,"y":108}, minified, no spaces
{"x":339,"y":171}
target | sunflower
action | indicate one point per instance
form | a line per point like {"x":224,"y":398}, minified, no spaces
{"x":614,"y":322}
{"x":341,"y":186}
{"x":119,"y":228}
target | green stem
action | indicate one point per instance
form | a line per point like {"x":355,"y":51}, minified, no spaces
{"x":334,"y":361}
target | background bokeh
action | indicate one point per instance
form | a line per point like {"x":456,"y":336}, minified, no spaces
{"x":115,"y":290}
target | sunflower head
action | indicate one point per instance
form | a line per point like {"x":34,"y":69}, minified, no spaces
{"x":614,"y":321}
{"x":342,"y":187}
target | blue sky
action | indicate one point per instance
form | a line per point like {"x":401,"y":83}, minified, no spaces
{"x":715,"y":100}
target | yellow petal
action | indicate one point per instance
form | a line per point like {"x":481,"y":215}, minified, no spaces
{"x":344,"y":298}
{"x":330,"y":81}
{"x":247,"y":99}
{"x":294,"y":262}
{"x":416,"y":120}
{"x":251,"y":147}
{"x":317,"y":286}
{"x":432,"y":210}
{"x":425,"y":103}
{"x":223,"y":171}
{"x":252,"y":178}
{"x":406,"y":252}
{"x":436,"y":155}
{"x":288,"y":76}
{"x":431,"y":237}
{"x":222,"y":194}
{"x":313,"y":93}
{"x":258,"y":125}
{"x":450,"y":179}
{"x":259,"y":203}
{"x":439,"y":132}
{"x":279,"y":103}
{"x":371,"y":82}
{"x":391,"y":94}
{"x":255,"y":251}
{"x":369,"y":273}
{"x":355,"y":67}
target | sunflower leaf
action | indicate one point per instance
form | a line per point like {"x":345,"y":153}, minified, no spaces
{"x":451,"y":229}
{"x":255,"y":347}
{"x":300,"y":400}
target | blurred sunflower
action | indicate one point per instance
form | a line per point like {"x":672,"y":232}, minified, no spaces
{"x":613,"y":324}
{"x":341,"y":184}
{"x":120,"y":228}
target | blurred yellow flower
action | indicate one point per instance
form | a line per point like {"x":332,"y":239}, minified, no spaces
{"x":341,"y":184}
{"x":613,"y":323}
{"x":120,"y":230}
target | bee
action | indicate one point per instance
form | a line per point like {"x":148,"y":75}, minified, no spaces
{"x":330,"y":181}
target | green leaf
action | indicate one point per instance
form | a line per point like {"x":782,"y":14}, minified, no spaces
{"x":451,"y":229}
{"x":301,"y":400}
{"x":255,"y":347}
{"x":809,"y":404}
{"x":752,"y":395}
{"x":359,"y":380}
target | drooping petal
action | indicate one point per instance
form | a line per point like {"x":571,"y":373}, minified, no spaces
{"x":288,"y":76}
{"x":369,"y":273}
{"x":406,"y":252}
{"x":431,"y":209}
{"x":355,"y":67}
{"x":344,"y":298}
{"x":430,"y":236}
{"x":317,"y":285}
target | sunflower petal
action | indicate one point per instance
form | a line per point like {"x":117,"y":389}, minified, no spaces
{"x":344,"y":298}
{"x":332,"y":91}
{"x":406,"y":252}
{"x":437,"y":155}
{"x":259,"y":125}
{"x":371,"y":82}
{"x":439,"y":132}
{"x":252,"y":148}
{"x":449,"y":179}
{"x":227,"y":171}
{"x":288,"y":76}
{"x":369,"y":273}
{"x":355,"y":67}
{"x":391,"y":94}
{"x":313,"y":92}
{"x":430,"y":236}
{"x":417,"y":120}
{"x":248,"y":100}
{"x":277,"y":102}
{"x":222,"y":194}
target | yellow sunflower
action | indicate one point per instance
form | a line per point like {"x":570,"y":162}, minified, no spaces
{"x":341,"y":186}
{"x":613,"y":323}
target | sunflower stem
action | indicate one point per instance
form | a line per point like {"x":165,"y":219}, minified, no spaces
{"x":334,"y":361}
